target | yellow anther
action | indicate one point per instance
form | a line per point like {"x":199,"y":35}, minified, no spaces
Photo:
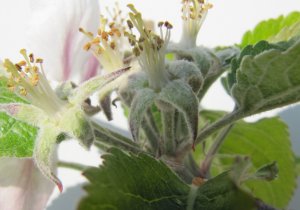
{"x":87,"y":46}
{"x":31,"y":57}
{"x":104,"y":35}
{"x":35,"y":69}
{"x":23,"y":91}
{"x":27,"y":69}
{"x":96,"y":40}
{"x":19,"y":68}
{"x":112,"y":45}
{"x":23,"y":52}
{"x":39,"y":60}
{"x":22,"y":63}
{"x":35,"y":79}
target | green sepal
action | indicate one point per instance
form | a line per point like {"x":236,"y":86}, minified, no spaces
{"x":86,"y":89}
{"x":129,"y":86}
{"x":187,"y":71}
{"x":140,"y":104}
{"x":45,"y":152}
{"x":181,"y":96}
{"x":75,"y":123}
{"x":24,"y":112}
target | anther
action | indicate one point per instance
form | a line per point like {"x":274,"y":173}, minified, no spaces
{"x":31,"y":58}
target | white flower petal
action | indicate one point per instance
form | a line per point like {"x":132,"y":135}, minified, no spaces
{"x":22,"y":185}
{"x":54,"y":35}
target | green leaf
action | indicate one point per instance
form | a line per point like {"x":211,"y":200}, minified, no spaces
{"x":268,"y":80}
{"x":133,"y":182}
{"x":274,"y":30}
{"x":16,"y":138}
{"x":222,"y":193}
{"x":250,"y":50}
{"x":141,"y":182}
{"x":264,"y":142}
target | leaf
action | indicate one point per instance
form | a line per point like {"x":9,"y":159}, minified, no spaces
{"x":264,"y":141}
{"x":267,"y":81}
{"x":141,"y":102}
{"x":141,"y":182}
{"x":276,"y":30}
{"x":181,"y":96}
{"x":250,"y":50}
{"x":16,"y":138}
{"x":222,"y":193}
{"x":133,"y":182}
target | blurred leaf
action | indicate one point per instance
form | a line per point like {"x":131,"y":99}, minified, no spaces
{"x":264,"y":141}
{"x":275,"y":30}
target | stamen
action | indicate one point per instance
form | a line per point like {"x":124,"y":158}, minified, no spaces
{"x":106,"y":45}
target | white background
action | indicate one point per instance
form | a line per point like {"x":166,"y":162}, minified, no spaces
{"x":225,"y":25}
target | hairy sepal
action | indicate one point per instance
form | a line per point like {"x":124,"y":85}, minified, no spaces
{"x":140,"y":104}
{"x":181,"y":96}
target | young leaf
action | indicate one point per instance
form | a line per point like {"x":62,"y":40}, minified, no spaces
{"x":264,"y":141}
{"x":178,"y":94}
{"x":140,"y":104}
{"x":267,"y":81}
{"x":276,"y":30}
{"x":250,"y":50}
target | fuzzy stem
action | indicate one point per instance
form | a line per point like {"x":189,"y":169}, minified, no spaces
{"x":205,"y":167}
{"x":168,"y":130}
{"x":151,"y":135}
{"x":228,"y":119}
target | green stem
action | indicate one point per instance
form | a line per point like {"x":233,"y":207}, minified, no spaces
{"x":70,"y":165}
{"x":228,"y":119}
{"x":205,"y":167}
{"x":151,"y":135}
{"x":102,"y":137}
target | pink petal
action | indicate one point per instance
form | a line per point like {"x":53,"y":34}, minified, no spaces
{"x":54,"y":35}
{"x":22,"y":186}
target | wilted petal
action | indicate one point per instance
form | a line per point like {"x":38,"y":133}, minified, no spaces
{"x":22,"y":186}
{"x":53,"y":34}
